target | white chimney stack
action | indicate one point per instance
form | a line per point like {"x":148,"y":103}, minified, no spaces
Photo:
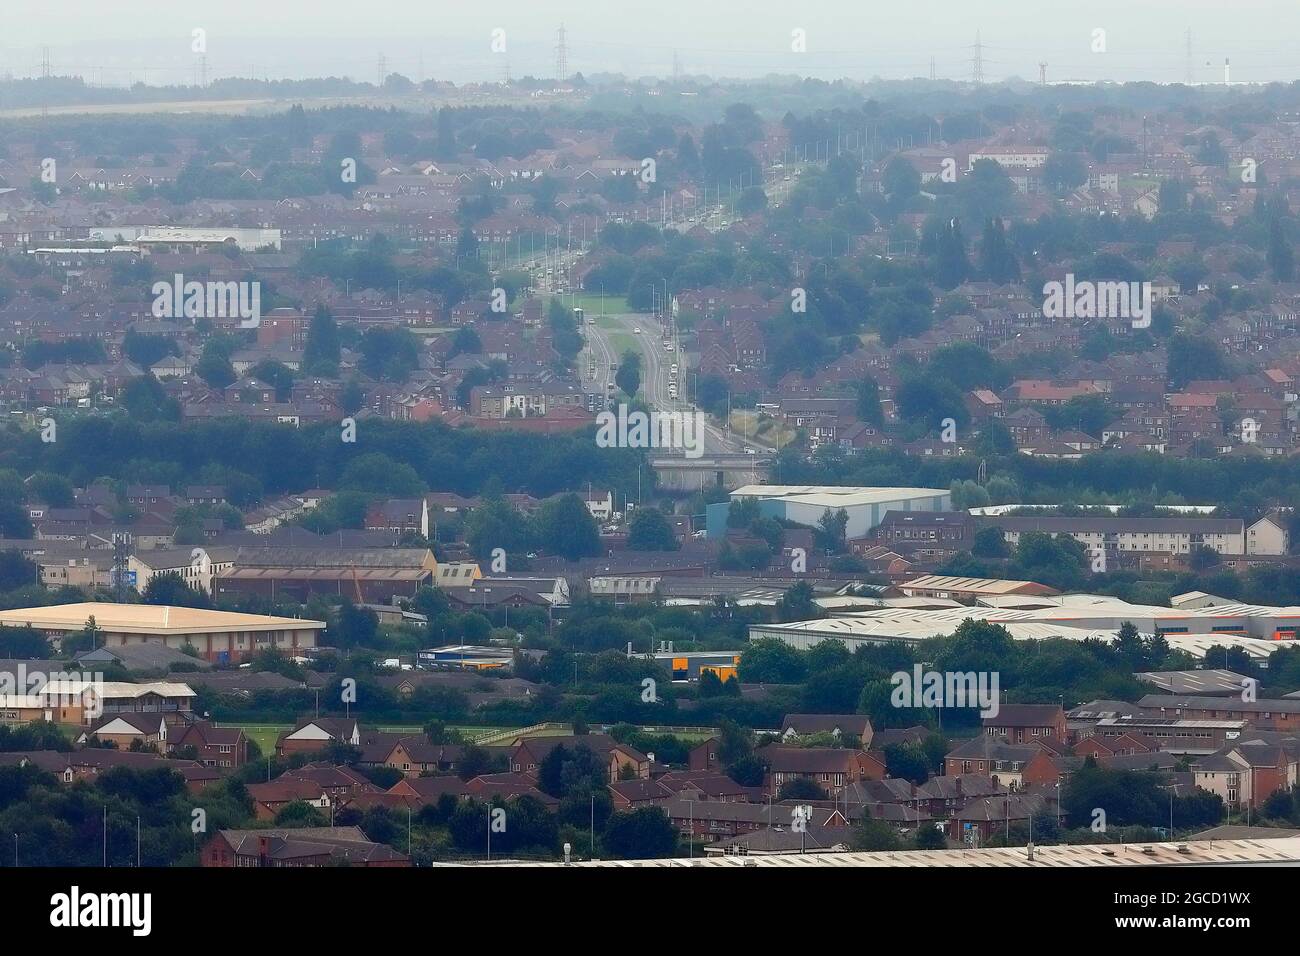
{"x":1226,"y":79}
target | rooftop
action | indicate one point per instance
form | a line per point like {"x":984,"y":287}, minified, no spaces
{"x":146,"y":619}
{"x":1200,"y":853}
{"x":834,"y":496}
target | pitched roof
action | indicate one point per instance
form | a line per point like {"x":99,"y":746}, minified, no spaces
{"x":809,"y":759}
{"x":342,"y":844}
{"x":804,"y":724}
{"x":1024,"y":715}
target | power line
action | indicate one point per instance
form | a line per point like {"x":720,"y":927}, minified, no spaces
{"x":45,"y":82}
{"x":561,"y":56}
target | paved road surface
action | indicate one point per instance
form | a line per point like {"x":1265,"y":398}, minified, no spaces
{"x":656,"y":365}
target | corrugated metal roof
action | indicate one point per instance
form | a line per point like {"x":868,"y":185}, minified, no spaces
{"x":1195,"y":853}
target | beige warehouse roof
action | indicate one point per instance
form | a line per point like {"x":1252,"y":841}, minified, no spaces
{"x":973,"y":585}
{"x":147,"y":619}
{"x":323,"y":574}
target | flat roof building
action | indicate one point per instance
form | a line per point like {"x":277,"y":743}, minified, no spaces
{"x":217,"y":635}
{"x":1258,"y":630}
{"x":967,"y":589}
{"x":805,"y":504}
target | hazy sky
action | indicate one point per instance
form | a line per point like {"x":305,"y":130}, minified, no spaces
{"x":113,"y":41}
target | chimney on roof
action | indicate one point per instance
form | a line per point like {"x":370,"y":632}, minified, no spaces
{"x":957,"y":780}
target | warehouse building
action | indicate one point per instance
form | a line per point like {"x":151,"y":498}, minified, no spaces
{"x":363,"y":575}
{"x":1115,"y":534}
{"x":806,"y":504}
{"x":219,"y":636}
{"x":1257,"y":629}
{"x":968,"y":590}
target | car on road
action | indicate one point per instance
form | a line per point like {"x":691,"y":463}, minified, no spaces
{"x":636,"y":330}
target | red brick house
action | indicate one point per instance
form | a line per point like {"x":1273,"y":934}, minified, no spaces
{"x":314,"y":734}
{"x":271,"y":797}
{"x":225,"y":747}
{"x":1022,"y":723}
{"x":527,"y":754}
{"x":704,"y":756}
{"x":831,"y":768}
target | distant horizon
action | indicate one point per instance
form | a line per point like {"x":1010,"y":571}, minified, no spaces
{"x":305,"y":40}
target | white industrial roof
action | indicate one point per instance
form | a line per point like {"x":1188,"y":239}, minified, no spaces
{"x":834,"y":496}
{"x":1050,"y":509}
{"x":1193,"y":853}
{"x":1073,"y":617}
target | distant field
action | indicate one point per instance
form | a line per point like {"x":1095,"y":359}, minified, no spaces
{"x":180,"y":106}
{"x":609,"y":305}
{"x":266,"y":734}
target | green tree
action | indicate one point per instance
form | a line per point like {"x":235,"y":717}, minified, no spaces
{"x":831,"y":530}
{"x":565,"y":527}
{"x":644,"y":833}
{"x":1129,"y":647}
{"x":875,"y":836}
{"x":214,"y":365}
{"x":299,"y":813}
{"x":322,"y":349}
{"x":928,"y":837}
{"x":989,"y":543}
{"x":951,"y":266}
{"x":628,"y":375}
{"x":868,"y":402}
{"x":169,"y":588}
{"x":770,"y":661}
{"x":801,"y":788}
{"x":997,"y":261}
{"x":1281,"y":257}
{"x":796,"y":604}
{"x":649,"y":530}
